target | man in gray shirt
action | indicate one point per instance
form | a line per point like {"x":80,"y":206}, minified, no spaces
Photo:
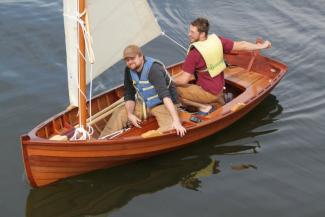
{"x":147,"y":78}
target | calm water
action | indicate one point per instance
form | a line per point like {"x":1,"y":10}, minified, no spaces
{"x":270,"y":163}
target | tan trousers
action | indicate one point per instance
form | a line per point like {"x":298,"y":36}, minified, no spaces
{"x":119,"y":118}
{"x":197,"y":94}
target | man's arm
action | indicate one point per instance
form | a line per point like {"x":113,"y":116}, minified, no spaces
{"x":129,"y":106}
{"x":248,"y":46}
{"x":180,"y":130}
{"x":129,"y":97}
{"x":129,"y":90}
{"x":157,"y":79}
{"x":183,"y":78}
{"x":188,"y":69}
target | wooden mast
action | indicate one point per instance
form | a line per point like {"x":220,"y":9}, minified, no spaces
{"x":82,"y":68}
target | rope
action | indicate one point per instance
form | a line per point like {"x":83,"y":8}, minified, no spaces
{"x":80,"y":132}
{"x":173,"y":40}
{"x":115,"y":134}
{"x":167,"y":36}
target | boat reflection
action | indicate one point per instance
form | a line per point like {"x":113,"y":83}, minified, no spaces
{"x":106,"y":190}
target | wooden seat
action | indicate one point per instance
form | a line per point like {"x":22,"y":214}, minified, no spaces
{"x":241,"y":77}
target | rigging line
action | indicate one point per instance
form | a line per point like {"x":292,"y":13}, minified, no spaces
{"x":167,"y":36}
{"x":81,"y":133}
{"x":89,"y":48}
{"x":173,"y":40}
{"x":87,"y":36}
{"x":90,"y":92}
{"x":90,"y":86}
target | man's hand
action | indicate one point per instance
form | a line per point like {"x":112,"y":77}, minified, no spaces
{"x":180,"y":130}
{"x":266,"y":44}
{"x":134,"y":120}
{"x":182,"y":78}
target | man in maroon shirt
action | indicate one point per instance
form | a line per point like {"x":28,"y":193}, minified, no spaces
{"x":207,"y":92}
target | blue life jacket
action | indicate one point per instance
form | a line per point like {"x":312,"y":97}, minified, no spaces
{"x":144,"y":88}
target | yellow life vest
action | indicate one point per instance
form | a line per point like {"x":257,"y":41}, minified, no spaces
{"x":212,"y":53}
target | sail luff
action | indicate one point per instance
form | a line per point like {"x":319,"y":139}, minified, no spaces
{"x":70,"y":8}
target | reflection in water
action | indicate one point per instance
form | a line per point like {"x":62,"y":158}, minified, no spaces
{"x":106,"y":190}
{"x":193,"y":182}
{"x":243,"y":167}
{"x":246,"y":128}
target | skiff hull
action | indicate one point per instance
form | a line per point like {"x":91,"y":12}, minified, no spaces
{"x":47,"y":161}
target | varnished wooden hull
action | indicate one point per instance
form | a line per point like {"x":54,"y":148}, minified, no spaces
{"x":47,"y":161}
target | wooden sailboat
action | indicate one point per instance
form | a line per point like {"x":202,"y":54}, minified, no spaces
{"x":49,"y":154}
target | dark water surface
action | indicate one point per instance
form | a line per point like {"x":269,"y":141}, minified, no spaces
{"x":270,"y":163}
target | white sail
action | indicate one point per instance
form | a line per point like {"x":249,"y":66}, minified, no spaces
{"x":70,"y":8}
{"x":113,"y":25}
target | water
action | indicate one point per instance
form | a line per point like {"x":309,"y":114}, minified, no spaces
{"x":270,"y":163}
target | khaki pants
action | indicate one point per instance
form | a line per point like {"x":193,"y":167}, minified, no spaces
{"x":119,"y":118}
{"x":197,"y":94}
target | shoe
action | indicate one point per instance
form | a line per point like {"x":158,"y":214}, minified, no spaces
{"x":213,"y":108}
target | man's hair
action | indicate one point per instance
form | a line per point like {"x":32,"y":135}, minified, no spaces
{"x":201,"y":24}
{"x":131,"y":51}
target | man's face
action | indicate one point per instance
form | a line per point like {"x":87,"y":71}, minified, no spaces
{"x":194,"y":34}
{"x":134,"y":63}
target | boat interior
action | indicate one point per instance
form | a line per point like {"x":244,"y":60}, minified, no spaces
{"x":246,"y":78}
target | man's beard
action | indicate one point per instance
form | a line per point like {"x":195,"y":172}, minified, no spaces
{"x":137,"y":68}
{"x":194,"y":40}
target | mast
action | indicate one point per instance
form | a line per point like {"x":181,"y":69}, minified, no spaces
{"x":82,"y":68}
